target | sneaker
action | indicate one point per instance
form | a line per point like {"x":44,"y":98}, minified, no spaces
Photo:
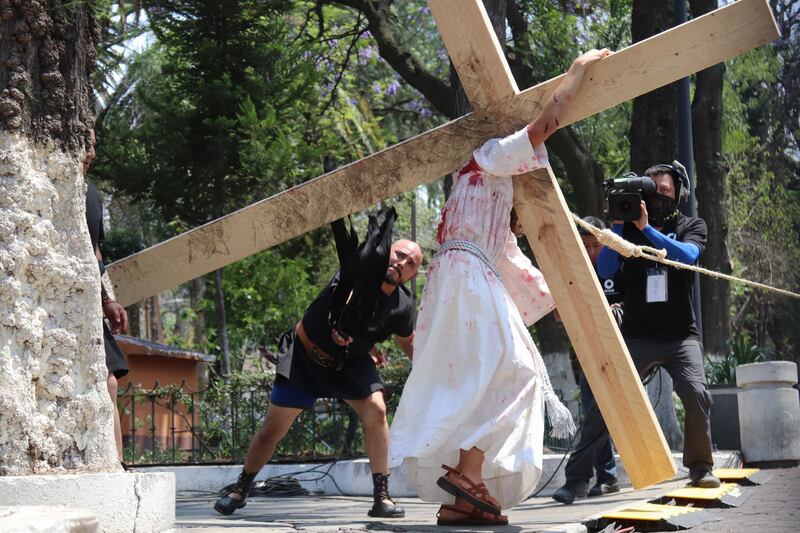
{"x":607,"y":487}
{"x":570,"y":491}
{"x":703,"y":479}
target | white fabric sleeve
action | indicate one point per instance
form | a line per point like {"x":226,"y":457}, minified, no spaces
{"x":511,"y":155}
{"x":524,"y":283}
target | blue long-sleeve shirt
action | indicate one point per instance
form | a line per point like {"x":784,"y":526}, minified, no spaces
{"x":608,"y":261}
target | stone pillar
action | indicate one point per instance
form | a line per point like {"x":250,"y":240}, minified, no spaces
{"x":769,"y":412}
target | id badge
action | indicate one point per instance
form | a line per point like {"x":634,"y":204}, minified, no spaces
{"x":656,"y":285}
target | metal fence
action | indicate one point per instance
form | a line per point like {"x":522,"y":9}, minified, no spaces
{"x":176,"y":425}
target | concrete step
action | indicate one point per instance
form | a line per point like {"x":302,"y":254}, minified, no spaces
{"x":352,"y":477}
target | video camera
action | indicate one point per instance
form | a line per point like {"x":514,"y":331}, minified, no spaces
{"x":624,"y":195}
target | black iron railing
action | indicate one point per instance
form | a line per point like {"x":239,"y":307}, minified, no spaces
{"x":176,"y":425}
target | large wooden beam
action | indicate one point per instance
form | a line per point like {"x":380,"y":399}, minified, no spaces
{"x":660,"y":60}
{"x":475,"y":52}
{"x":541,"y":207}
{"x":628,"y":73}
{"x":591,"y":328}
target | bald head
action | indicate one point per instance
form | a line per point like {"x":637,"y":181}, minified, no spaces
{"x":405,"y":259}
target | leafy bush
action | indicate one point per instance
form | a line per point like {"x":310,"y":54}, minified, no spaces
{"x":741,"y":351}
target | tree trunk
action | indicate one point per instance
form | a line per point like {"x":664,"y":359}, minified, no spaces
{"x":654,"y":125}
{"x":584,"y":173}
{"x":197,"y":292}
{"x":222,"y":326}
{"x":55,"y":412}
{"x":654,"y":139}
{"x":712,"y":198}
{"x":555,"y":349}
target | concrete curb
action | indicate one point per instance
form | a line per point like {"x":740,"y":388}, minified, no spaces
{"x":353,"y":477}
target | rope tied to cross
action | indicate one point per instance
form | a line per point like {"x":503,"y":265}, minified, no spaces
{"x":628,"y":249}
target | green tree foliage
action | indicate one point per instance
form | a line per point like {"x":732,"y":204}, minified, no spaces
{"x":222,"y":111}
{"x":764,"y":200}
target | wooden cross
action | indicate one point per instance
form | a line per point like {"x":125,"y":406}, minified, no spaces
{"x":500,"y":108}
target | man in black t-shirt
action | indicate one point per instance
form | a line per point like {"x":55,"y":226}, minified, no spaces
{"x":659,"y":326}
{"x":112,"y":311}
{"x":317,"y":362}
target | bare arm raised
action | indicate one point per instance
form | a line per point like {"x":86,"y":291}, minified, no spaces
{"x":547,"y":122}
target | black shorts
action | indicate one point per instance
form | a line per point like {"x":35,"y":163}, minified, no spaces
{"x":115,"y":359}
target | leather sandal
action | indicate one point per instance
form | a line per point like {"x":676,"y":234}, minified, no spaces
{"x":463,"y":517}
{"x":474,"y":493}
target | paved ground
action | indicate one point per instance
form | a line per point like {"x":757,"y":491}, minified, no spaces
{"x":773,"y":507}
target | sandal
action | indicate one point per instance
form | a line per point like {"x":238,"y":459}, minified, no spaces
{"x":474,"y":517}
{"x":474,"y":493}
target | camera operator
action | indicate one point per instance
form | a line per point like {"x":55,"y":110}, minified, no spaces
{"x":659,"y":326}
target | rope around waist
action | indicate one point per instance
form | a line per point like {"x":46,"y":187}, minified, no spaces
{"x":471,"y":248}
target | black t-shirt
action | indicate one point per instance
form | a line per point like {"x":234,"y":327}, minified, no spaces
{"x":94,"y":215}
{"x":613,"y":287}
{"x":358,"y":377}
{"x":395,"y":315}
{"x":673,"y":319}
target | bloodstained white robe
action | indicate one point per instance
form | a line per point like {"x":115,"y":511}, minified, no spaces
{"x":476,"y":380}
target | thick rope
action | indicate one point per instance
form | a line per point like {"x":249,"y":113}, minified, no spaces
{"x":628,"y":249}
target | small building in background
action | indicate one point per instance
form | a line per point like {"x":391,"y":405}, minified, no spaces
{"x":157,"y":427}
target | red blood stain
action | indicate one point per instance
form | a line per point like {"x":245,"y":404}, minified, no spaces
{"x":476,"y":180}
{"x":527,"y":276}
{"x":440,"y":229}
{"x":472,"y":168}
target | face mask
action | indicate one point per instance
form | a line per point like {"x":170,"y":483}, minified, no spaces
{"x":661,"y":209}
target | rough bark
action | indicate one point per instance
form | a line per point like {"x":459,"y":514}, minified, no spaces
{"x":654,"y":125}
{"x":712,"y":197}
{"x":654,"y":139}
{"x":55,"y":413}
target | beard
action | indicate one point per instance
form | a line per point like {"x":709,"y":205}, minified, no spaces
{"x":392,"y":276}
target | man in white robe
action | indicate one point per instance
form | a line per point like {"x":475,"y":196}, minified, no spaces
{"x":475,"y":397}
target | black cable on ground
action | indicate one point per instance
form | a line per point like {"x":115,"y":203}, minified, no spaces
{"x":287,"y":484}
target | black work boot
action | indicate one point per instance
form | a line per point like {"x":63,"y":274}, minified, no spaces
{"x":227,"y":505}
{"x":383,"y":506}
{"x":570,"y":491}
{"x":605,"y":487}
{"x":703,"y":478}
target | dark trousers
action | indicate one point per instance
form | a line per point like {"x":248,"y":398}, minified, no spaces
{"x":604,"y":464}
{"x":683,"y":360}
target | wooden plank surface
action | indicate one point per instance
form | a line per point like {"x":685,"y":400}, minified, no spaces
{"x":475,"y":52}
{"x":628,"y":73}
{"x":591,"y":328}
